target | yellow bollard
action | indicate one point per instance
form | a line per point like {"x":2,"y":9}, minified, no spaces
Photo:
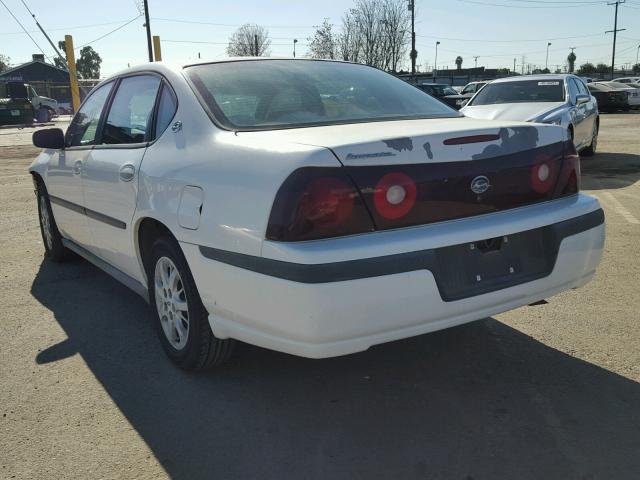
{"x":73,"y":77}
{"x":156,"y":48}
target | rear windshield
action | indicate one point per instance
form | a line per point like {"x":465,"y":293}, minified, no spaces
{"x":523,"y":91}
{"x":266,"y":94}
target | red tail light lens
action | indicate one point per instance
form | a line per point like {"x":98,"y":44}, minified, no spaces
{"x":317,"y":203}
{"x":543,"y":175}
{"x":395,"y":195}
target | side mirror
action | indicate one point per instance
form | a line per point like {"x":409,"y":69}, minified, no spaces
{"x":52,"y":138}
{"x":582,"y":98}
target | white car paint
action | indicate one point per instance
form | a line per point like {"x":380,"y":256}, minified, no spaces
{"x":581,"y":118}
{"x":239,"y":174}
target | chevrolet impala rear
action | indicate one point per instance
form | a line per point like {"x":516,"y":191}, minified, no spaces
{"x":351,"y":209}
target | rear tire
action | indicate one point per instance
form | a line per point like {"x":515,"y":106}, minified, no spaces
{"x":180,"y":317}
{"x":590,"y":151}
{"x":53,"y":247}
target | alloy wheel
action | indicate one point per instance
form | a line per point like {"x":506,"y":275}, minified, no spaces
{"x":171,"y":303}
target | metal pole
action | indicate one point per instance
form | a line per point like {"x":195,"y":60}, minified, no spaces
{"x":295,"y":40}
{"x":414,"y":54}
{"x":45,"y":35}
{"x":435,"y":63}
{"x":148,"y":25}
{"x":637,"y":52}
{"x":514,"y":65}
{"x":255,"y":45}
{"x":546,"y":62}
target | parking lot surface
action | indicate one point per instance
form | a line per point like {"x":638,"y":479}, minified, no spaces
{"x":549,"y":391}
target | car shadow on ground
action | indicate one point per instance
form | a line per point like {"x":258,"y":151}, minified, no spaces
{"x":477,"y":401}
{"x":608,"y":170}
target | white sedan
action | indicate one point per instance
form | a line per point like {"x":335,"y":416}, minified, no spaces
{"x":311,"y":207}
{"x":561,"y":99}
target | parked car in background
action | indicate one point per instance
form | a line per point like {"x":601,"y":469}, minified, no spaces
{"x":553,"y":99}
{"x":14,"y":110}
{"x":471,"y":88}
{"x":444,"y":93}
{"x":252,"y":200}
{"x":633,"y":92}
{"x":609,"y":99}
{"x":627,"y":80}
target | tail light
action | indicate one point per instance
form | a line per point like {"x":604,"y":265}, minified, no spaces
{"x":395,"y":195}
{"x":569,"y":177}
{"x":317,"y":203}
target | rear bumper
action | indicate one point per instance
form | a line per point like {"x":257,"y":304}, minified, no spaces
{"x":315,"y":312}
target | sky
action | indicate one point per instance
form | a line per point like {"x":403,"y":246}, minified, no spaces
{"x":496,"y":31}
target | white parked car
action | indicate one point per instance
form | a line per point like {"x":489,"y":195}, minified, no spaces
{"x":561,"y":99}
{"x":627,"y":80}
{"x":311,"y":207}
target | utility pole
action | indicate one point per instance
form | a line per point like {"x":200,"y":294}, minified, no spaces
{"x":295,"y":40}
{"x":46,"y":36}
{"x":522,"y":65}
{"x":435,"y":63}
{"x":148,"y":25}
{"x":476,"y":60}
{"x":414,"y":54}
{"x":615,"y":31}
{"x":255,"y":45}
{"x":637,"y":52}
{"x":514,"y":65}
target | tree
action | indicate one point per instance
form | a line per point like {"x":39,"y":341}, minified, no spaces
{"x":57,"y":61}
{"x":88,"y":64}
{"x":4,"y":63}
{"x":636,"y":68}
{"x":250,"y":40}
{"x":323,"y":43}
{"x":572,"y":61}
{"x":375,"y":32}
{"x":586,"y":68}
{"x":602,"y":68}
{"x":459,"y":62}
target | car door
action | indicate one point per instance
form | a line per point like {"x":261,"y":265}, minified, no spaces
{"x":110,"y":175}
{"x":64,"y":173}
{"x":590,"y":111}
{"x":579,"y":115}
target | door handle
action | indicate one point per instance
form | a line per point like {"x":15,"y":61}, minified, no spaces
{"x":77,"y":167}
{"x":127,"y":172}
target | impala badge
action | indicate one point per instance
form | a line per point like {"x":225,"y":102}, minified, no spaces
{"x":480,"y":184}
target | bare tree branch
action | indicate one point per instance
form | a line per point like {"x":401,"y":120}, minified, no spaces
{"x":249,"y":40}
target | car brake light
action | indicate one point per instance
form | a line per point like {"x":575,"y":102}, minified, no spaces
{"x":395,"y":195}
{"x":543,"y":175}
{"x":569,"y":177}
{"x":315,"y":202}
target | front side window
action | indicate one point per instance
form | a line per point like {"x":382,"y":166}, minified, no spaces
{"x":83,"y":127}
{"x":266,"y":94}
{"x":130,"y":114}
{"x":520,"y":91}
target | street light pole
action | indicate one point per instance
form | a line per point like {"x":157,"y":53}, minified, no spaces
{"x":295,"y":40}
{"x":637,"y":52}
{"x":546,"y":62}
{"x":435,"y":64}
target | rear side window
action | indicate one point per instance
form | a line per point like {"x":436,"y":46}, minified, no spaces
{"x":167,"y":106}
{"x":82,"y":130}
{"x":130,"y":114}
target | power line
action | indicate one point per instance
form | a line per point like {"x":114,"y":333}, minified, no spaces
{"x":198,"y":22}
{"x":475,"y":40}
{"x":485,"y":4}
{"x":60,"y":29}
{"x":108,"y":33}
{"x":24,"y":29}
{"x":55,"y":49}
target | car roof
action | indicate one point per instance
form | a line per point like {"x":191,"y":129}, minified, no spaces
{"x":541,"y":77}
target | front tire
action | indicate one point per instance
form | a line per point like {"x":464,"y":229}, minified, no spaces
{"x":180,"y":317}
{"x":53,"y":247}
{"x":590,"y":151}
